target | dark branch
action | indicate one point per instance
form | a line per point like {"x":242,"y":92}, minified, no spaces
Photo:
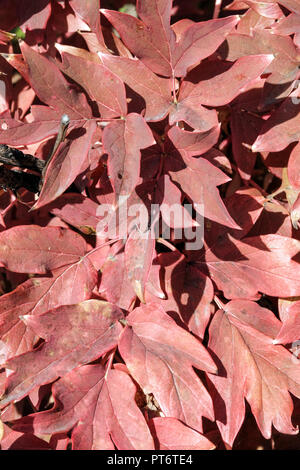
{"x":14,"y":157}
{"x":14,"y":180}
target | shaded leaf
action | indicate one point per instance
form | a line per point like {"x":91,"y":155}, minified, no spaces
{"x":264,"y":263}
{"x":54,"y":89}
{"x":139,"y":253}
{"x":123,"y":141}
{"x":252,"y":368}
{"x":281,"y":129}
{"x":154,"y":42}
{"x":34,"y":249}
{"x":69,"y":284}
{"x":159,"y":355}
{"x":64,"y":351}
{"x":156,"y":91}
{"x":102,"y":85}
{"x":69,"y":161}
{"x":196,"y":181}
{"x":89,"y":401}
{"x":171,"y":434}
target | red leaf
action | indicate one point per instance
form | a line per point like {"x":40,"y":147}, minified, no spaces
{"x":110,"y":95}
{"x":13,"y":440}
{"x":264,"y":263}
{"x":291,"y":5}
{"x":168,"y":197}
{"x":156,"y":91}
{"x":283,"y":70}
{"x":122,"y":141}
{"x":69,"y":161}
{"x":139,"y":252}
{"x":65,"y":347}
{"x":88,"y":10}
{"x":34,"y":249}
{"x":115,"y":284}
{"x":45,"y":124}
{"x":78,"y":211}
{"x":193,"y":143}
{"x":253,"y":368}
{"x":89,"y":401}
{"x":202,"y":191}
{"x":188,"y":292}
{"x":69,"y":284}
{"x":154,"y":42}
{"x":172,"y":435}
{"x":150,"y":39}
{"x":54,"y":89}
{"x":267,"y":8}
{"x":294,"y":167}
{"x":223,"y":87}
{"x":290,"y":330}
{"x":159,"y":355}
{"x":35,"y":15}
{"x":276,"y":134}
{"x":153,"y":209}
{"x":194,"y":114}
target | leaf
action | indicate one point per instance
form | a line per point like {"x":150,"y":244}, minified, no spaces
{"x":45,"y":124}
{"x":154,"y":42}
{"x":153,"y":211}
{"x":287,"y":25}
{"x":290,"y":329}
{"x":277,"y":133}
{"x":194,"y":114}
{"x":78,"y":211}
{"x":122,"y":141}
{"x":194,"y":143}
{"x":291,"y":5}
{"x":268,"y":9}
{"x":115,"y":284}
{"x":293,"y":168}
{"x":62,"y":352}
{"x":284,"y":68}
{"x":89,"y":402}
{"x":34,"y":249}
{"x":101,"y":85}
{"x":264,"y":263}
{"x":189,"y":293}
{"x":54,"y":89}
{"x":251,"y":367}
{"x":222,"y":88}
{"x":172,"y":435}
{"x":168,"y":197}
{"x":35,"y":15}
{"x":69,"y":284}
{"x":245,"y":124}
{"x":201,"y":40}
{"x":13,"y":440}
{"x":198,"y":187}
{"x":139,"y":253}
{"x":88,"y":10}
{"x":159,"y":355}
{"x":150,"y":39}
{"x":69,"y":161}
{"x":156,"y":91}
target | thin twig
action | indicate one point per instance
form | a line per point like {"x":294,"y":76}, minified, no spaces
{"x":217,"y":8}
{"x":63,"y":125}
